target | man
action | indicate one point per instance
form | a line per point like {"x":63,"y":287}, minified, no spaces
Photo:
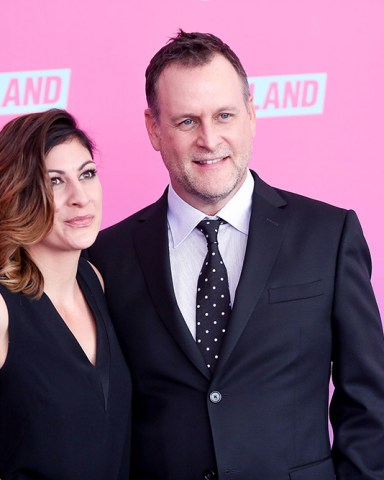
{"x":239,"y":389}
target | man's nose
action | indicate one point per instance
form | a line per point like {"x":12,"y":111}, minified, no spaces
{"x":208,"y":136}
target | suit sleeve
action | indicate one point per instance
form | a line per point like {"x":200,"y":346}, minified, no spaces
{"x":357,"y":406}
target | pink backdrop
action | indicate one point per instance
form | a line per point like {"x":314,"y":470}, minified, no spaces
{"x":316,"y":67}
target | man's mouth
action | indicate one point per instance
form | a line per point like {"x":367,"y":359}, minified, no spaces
{"x":210,"y":162}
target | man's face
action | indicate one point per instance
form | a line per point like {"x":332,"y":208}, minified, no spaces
{"x":204,"y":131}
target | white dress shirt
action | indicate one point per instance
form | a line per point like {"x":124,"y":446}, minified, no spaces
{"x":188,"y":246}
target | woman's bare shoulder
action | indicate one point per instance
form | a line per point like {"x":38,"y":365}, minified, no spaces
{"x":3,"y":330}
{"x":98,"y":274}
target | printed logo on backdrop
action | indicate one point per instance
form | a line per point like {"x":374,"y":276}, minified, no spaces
{"x":33,"y":91}
{"x":288,"y":95}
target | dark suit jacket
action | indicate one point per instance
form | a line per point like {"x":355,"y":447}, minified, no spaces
{"x":304,"y":300}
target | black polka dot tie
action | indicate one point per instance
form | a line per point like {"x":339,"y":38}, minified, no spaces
{"x":213,"y":303}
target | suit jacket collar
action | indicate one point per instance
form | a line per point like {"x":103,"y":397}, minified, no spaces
{"x":266,"y":230}
{"x":151,"y":242}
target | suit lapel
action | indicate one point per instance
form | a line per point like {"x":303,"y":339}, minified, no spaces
{"x":266,"y":231}
{"x":151,"y":242}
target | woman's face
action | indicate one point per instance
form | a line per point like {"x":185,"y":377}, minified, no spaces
{"x":77,"y":196}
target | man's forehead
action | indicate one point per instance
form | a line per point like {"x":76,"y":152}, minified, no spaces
{"x":192,"y":63}
{"x":185,"y":90}
{"x":218,"y":62}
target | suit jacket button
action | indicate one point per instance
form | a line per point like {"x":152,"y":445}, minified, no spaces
{"x":215,"y":397}
{"x":209,"y":475}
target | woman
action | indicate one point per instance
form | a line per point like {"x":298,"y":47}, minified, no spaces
{"x":64,"y":386}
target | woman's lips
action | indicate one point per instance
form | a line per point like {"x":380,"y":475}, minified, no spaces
{"x":80,"y":221}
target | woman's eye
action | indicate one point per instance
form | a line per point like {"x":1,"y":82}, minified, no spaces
{"x":88,"y":174}
{"x":56,"y":181}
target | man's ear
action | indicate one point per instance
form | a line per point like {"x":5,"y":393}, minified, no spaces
{"x":152,"y":129}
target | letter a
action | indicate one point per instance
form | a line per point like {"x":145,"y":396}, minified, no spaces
{"x":12,"y":94}
{"x":272,"y":97}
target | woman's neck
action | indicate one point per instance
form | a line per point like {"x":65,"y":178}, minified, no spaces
{"x":59,"y":269}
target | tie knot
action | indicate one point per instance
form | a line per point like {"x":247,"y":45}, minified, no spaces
{"x":210,"y":228}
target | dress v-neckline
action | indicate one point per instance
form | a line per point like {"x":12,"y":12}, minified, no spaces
{"x":101,"y":366}
{"x":66,"y":326}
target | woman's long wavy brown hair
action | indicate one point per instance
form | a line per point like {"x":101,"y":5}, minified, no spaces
{"x":26,"y":197}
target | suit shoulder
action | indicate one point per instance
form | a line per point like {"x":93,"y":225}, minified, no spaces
{"x":311,"y":205}
{"x":126,"y":226}
{"x":316,"y":214}
{"x":294,"y":203}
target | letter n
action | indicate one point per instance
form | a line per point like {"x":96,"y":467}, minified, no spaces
{"x":33,"y":90}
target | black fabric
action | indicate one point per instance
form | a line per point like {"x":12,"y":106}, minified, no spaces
{"x":62,"y":418}
{"x":304,"y":300}
{"x":213,"y":303}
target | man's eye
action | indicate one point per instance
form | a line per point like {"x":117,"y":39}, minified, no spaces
{"x":187,"y":122}
{"x":225,"y":116}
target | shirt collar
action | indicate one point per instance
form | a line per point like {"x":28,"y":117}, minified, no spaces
{"x":183,"y":218}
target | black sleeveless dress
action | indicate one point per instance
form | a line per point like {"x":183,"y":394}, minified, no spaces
{"x":62,"y":418}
